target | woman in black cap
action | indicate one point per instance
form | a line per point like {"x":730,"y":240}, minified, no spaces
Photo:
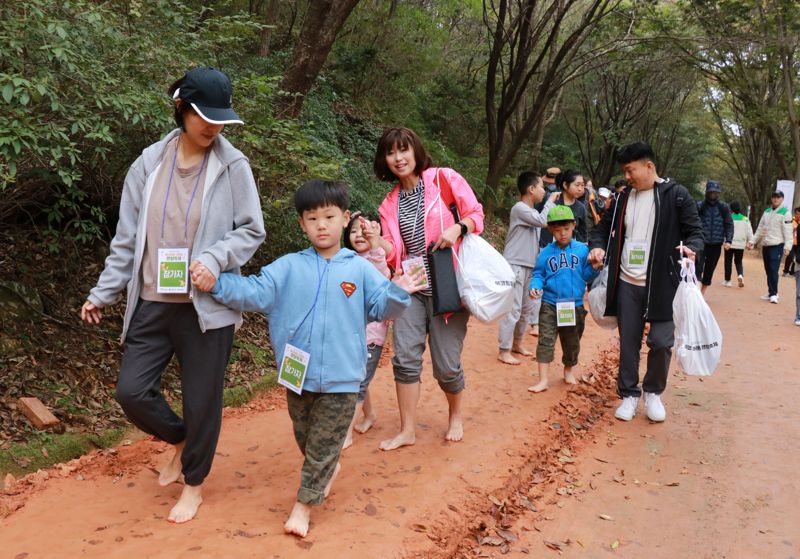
{"x":189,"y":210}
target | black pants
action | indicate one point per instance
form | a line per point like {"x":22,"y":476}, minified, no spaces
{"x":733,"y":255}
{"x":707,"y":262}
{"x":632,"y":301}
{"x":772,"y":265}
{"x":788,"y":266}
{"x":157,"y":331}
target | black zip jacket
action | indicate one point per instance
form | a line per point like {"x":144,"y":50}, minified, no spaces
{"x":676,"y":221}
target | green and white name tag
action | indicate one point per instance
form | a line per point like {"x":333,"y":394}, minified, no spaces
{"x":565,"y":313}
{"x":637,"y":254}
{"x":293,"y":369}
{"x":173,"y":270}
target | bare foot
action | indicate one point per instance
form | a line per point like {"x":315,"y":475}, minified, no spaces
{"x":507,"y":358}
{"x":336,"y":471}
{"x":455,"y":431}
{"x":569,"y":376}
{"x":365,"y":424}
{"x":186,"y":507}
{"x":535,"y":330}
{"x":400,"y":440}
{"x":516,"y":348}
{"x":172,"y":471}
{"x":348,"y":441}
{"x":297,"y":523}
{"x":540,"y":386}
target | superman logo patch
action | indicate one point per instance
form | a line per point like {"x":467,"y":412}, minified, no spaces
{"x":348,"y":287}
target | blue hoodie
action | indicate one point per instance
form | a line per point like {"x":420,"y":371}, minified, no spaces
{"x":352,"y":293}
{"x":563,"y":273}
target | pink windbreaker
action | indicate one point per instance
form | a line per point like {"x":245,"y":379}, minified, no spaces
{"x":437,"y":210}
{"x":376,"y":331}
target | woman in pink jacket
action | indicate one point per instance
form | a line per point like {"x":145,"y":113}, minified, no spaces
{"x":414,"y":214}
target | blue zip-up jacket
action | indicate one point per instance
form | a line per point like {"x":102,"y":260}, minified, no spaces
{"x":563,"y":272}
{"x":352,"y":292}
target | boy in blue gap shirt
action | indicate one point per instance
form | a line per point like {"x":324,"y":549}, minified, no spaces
{"x":319,"y":300}
{"x":560,"y":276}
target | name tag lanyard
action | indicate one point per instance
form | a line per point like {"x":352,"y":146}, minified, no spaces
{"x":173,"y":256}
{"x":420,"y":199}
{"x":294,"y":365}
{"x":639,"y":247}
{"x":565,"y":307}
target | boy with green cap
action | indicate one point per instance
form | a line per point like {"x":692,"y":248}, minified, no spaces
{"x":560,"y":276}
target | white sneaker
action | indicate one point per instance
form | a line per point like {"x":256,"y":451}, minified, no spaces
{"x":654,"y":407}
{"x":627,"y":409}
{"x":773,"y":299}
{"x":765,"y":297}
{"x":741,"y":281}
{"x":797,"y":322}
{"x":727,"y":283}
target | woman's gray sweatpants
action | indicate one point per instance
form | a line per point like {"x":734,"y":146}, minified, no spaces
{"x":446,"y":339}
{"x":157,"y":332}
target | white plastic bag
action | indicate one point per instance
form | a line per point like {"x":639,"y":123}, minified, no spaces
{"x":485,"y":279}
{"x":698,"y":339}
{"x":597,"y":302}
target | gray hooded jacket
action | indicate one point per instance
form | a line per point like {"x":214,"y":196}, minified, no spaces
{"x":231,"y":229}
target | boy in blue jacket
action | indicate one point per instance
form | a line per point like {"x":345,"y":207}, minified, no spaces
{"x":318,"y":302}
{"x":560,"y":276}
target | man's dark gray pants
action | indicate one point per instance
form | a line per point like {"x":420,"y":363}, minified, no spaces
{"x":631,"y":307}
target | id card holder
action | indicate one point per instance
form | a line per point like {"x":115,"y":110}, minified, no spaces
{"x":637,"y":254}
{"x":294,"y":366}
{"x":173,"y":269}
{"x":565,"y":313}
{"x":413,"y":265}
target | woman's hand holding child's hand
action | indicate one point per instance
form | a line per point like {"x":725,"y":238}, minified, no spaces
{"x":535,"y":293}
{"x":202,"y":278}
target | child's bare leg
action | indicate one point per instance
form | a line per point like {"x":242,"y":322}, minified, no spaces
{"x":348,"y":441}
{"x":518,"y":348}
{"x":297,"y":523}
{"x":505,"y":357}
{"x":329,"y":486}
{"x":172,"y":471}
{"x":541,"y":386}
{"x":407,"y":398}
{"x":369,"y":415}
{"x":455,"y":429}
{"x":186,"y":507}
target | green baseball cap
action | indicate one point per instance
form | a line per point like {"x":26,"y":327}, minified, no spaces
{"x":560,"y":213}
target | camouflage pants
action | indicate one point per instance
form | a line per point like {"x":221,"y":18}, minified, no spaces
{"x":570,"y":336}
{"x":320,"y":422}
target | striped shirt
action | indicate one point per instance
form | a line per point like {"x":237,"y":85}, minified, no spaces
{"x":411,"y":214}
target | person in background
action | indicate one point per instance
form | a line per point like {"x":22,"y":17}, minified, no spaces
{"x":717,"y":230}
{"x":742,"y":238}
{"x":521,"y":251}
{"x":788,"y":267}
{"x":774,"y":235}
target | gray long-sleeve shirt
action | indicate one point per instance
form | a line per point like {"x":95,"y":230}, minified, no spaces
{"x":522,"y":240}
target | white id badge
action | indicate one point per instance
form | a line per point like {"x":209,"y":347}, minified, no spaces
{"x":413,"y":265}
{"x":565,"y":313}
{"x":173,"y":270}
{"x":637,"y":254}
{"x":293,"y":369}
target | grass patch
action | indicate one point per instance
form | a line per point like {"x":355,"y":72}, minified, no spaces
{"x":46,"y":449}
{"x":237,"y":396}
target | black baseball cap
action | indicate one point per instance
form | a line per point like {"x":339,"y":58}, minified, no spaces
{"x":777,"y":194}
{"x":210,"y":94}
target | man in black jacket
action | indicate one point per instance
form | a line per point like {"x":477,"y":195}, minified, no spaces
{"x":642,"y":233}
{"x":715,"y":215}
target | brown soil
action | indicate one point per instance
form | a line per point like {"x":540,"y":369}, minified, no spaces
{"x":532,"y":477}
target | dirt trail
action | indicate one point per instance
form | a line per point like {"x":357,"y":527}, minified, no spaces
{"x":531,"y":468}
{"x":419,"y":500}
{"x":718,"y":479}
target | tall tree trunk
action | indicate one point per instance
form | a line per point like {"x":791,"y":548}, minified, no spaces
{"x":324,"y":19}
{"x":270,"y":17}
